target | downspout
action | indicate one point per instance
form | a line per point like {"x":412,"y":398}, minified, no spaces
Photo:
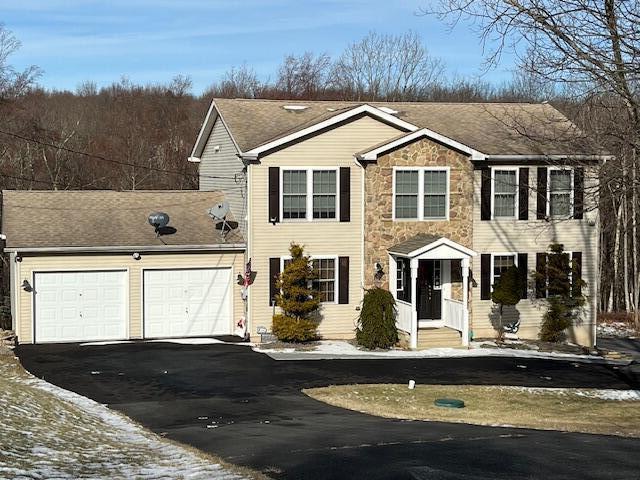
{"x":362,"y":230}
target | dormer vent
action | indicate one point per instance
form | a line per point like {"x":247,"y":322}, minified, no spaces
{"x":295,"y":108}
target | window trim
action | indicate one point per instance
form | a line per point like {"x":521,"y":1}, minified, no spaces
{"x":571,"y":192}
{"x":492,"y":270}
{"x":516,"y":208}
{"x":421,"y":194}
{"x":309,"y":194}
{"x":336,"y":278}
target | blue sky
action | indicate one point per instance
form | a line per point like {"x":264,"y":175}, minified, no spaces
{"x":150,"y":41}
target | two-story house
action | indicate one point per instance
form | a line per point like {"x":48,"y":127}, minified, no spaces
{"x":430,"y":200}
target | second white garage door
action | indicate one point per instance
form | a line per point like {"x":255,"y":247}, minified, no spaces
{"x":187,"y":302}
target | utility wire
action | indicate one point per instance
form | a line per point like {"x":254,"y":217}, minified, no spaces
{"x":105,"y":159}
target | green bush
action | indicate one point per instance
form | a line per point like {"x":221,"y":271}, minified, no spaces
{"x":377,"y":324}
{"x":564,"y":296}
{"x":290,"y":329}
{"x":297,"y":299}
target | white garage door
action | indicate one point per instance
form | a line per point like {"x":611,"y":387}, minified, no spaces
{"x":187,"y":302}
{"x":80,"y":306}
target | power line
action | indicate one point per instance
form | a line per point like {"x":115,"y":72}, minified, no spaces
{"x":110,"y":160}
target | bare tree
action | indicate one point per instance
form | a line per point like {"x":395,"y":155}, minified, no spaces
{"x":238,"y":82}
{"x":305,"y":76}
{"x":13,"y":83}
{"x":387,"y":67}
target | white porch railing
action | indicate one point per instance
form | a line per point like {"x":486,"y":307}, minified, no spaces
{"x":403,"y":320}
{"x":453,"y":314}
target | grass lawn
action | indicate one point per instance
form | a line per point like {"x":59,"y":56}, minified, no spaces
{"x":48,"y":432}
{"x":571,"y":410}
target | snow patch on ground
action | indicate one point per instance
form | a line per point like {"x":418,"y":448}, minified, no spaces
{"x":343,"y":349}
{"x":53,"y":433}
{"x":601,"y":394}
{"x":614,"y":329}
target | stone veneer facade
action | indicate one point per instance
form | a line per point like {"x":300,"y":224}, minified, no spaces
{"x":381,"y":232}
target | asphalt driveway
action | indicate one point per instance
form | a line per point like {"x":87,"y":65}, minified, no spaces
{"x":248,"y":409}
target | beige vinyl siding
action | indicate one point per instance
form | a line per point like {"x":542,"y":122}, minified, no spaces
{"x":37,"y":263}
{"x":224,"y":163}
{"x":530,"y":237}
{"x":334,"y":148}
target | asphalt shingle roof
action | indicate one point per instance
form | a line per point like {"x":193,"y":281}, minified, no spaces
{"x":98,"y":218}
{"x":491,"y":128}
{"x":414,"y":243}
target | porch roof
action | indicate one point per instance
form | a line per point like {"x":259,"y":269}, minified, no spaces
{"x":423,"y":243}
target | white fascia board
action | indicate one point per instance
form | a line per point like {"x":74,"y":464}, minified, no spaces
{"x":373,"y":155}
{"x":129,"y":249}
{"x":205,"y":131}
{"x":373,"y":111}
{"x":467,"y":252}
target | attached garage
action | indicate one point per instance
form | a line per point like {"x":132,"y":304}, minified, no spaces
{"x":80,"y":306}
{"x":187,"y":302}
{"x":99,"y":271}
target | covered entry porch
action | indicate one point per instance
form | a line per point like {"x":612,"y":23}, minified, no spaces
{"x":429,"y":278}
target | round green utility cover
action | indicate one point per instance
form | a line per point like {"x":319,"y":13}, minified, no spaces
{"x":449,"y":403}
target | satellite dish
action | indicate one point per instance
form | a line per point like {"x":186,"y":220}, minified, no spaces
{"x":159,"y":221}
{"x":219,"y":214}
{"x":219,"y":211}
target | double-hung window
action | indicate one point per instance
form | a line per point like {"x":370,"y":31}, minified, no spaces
{"x":421,"y":193}
{"x":499,"y":264}
{"x":326,"y":277}
{"x":505,"y":193}
{"x":325,"y":282}
{"x":294,"y":194}
{"x":309,"y":193}
{"x":560,"y":192}
{"x":435,"y":193}
{"x":324,"y":194}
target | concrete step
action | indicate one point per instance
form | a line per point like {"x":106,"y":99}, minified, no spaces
{"x":438,"y":338}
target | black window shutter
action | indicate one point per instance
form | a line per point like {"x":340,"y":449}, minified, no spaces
{"x":523,"y":269}
{"x":274,"y":194}
{"x":542,"y":193}
{"x":485,"y":276}
{"x":343,"y":280}
{"x":541,"y":280}
{"x":345,"y":194}
{"x":576,"y":287}
{"x":578,"y":192}
{"x":485,"y":194}
{"x":274,"y":272}
{"x":523,"y":194}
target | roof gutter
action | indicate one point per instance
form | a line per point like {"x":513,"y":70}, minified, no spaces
{"x":507,"y":158}
{"x":132,"y":248}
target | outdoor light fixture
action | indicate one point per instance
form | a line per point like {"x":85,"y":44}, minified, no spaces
{"x":26,"y":286}
{"x":379,"y":270}
{"x":136,"y":256}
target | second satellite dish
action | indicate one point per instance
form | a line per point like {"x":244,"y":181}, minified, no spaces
{"x":219,"y":211}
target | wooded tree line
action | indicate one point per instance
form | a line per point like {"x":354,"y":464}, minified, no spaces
{"x":583,"y":56}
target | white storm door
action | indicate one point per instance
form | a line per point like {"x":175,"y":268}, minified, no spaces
{"x":80,"y":306}
{"x":187,"y":302}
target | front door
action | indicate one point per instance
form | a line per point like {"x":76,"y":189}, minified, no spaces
{"x":429,"y":290}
